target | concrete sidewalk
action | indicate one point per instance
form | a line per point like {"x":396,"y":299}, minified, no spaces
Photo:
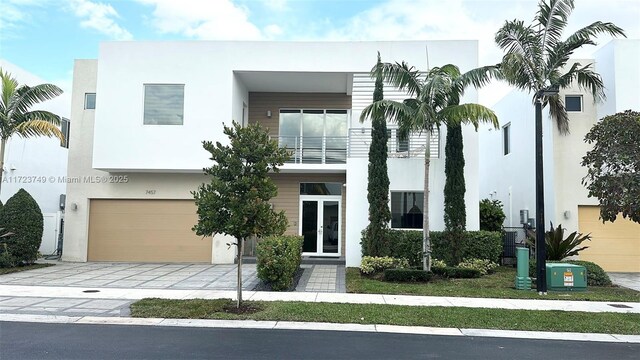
{"x":9,"y":292}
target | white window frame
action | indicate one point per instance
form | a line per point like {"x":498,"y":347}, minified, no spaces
{"x":581,"y":102}
{"x":86,"y":95}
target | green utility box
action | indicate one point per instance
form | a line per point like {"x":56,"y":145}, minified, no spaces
{"x":566,"y":277}
{"x":523,"y":281}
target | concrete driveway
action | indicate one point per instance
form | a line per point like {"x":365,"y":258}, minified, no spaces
{"x":628,"y":280}
{"x":136,"y":275}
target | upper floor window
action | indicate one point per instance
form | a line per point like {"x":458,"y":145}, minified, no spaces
{"x":573,"y":102}
{"x":506,"y":139}
{"x":65,"y":127}
{"x":407,"y":209}
{"x":397,"y":142}
{"x":89,"y":101}
{"x":163,"y":104}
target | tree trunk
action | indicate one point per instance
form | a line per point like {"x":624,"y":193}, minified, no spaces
{"x":3,"y":142}
{"x":426,"y":244}
{"x":239,"y":247}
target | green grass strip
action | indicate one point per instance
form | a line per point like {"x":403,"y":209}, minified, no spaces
{"x":497,"y":285}
{"x":23,"y":268}
{"x":457,"y":317}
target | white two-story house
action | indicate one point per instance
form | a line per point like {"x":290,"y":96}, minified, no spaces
{"x":142,"y":109}
{"x":507,"y":159}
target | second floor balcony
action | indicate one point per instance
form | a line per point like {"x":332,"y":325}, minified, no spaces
{"x":336,"y":149}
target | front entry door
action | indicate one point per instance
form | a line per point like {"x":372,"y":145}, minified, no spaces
{"x":320,"y":225}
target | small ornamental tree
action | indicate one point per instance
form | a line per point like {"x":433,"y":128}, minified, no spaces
{"x":455,"y":214}
{"x":491,"y":215}
{"x":378,"y":179}
{"x":22,"y":216}
{"x":236,"y":201}
{"x":613,"y":166}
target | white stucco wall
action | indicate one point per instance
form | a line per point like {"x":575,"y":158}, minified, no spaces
{"x":36,"y":164}
{"x":617,"y":62}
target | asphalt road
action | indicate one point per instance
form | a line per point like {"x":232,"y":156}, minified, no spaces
{"x":75,"y":341}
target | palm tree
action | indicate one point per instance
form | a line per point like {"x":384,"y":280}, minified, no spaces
{"x":15,"y":117}
{"x":433,"y":100}
{"x":536,"y":60}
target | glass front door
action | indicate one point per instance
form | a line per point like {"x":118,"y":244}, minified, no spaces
{"x":320,"y":225}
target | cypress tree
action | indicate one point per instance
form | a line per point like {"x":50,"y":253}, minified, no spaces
{"x":378,"y":180}
{"x":455,"y":215}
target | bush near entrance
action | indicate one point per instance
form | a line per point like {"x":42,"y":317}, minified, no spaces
{"x":277,"y":260}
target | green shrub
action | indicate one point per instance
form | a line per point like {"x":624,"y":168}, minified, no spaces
{"x":557,"y":246}
{"x":407,"y":275}
{"x":6,"y":260}
{"x":438,"y":263}
{"x":452,"y":272}
{"x":407,"y":245}
{"x":596,"y":276}
{"x":483,"y":265}
{"x":491,"y":215}
{"x":486,"y":245}
{"x":21,"y":215}
{"x":371,"y":265}
{"x":277,"y":260}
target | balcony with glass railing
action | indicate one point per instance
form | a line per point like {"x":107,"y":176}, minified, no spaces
{"x":336,"y":149}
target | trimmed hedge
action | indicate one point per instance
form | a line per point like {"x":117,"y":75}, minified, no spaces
{"x":407,"y":275}
{"x":485,"y":245}
{"x":596,"y":276}
{"x":277,"y":260}
{"x":371,"y":265}
{"x":21,"y":216}
{"x":456,"y":272}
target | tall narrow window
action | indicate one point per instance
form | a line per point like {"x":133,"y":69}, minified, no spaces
{"x":506,"y":139}
{"x":65,"y":128}
{"x":573,"y":103}
{"x":407,"y":209}
{"x":90,"y":101}
{"x":163,"y":104}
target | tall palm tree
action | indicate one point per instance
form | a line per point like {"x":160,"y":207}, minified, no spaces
{"x":536,"y":60}
{"x":15,"y":117}
{"x":433,"y":100}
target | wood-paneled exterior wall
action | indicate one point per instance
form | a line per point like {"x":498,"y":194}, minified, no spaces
{"x":288,"y":198}
{"x":261,"y":102}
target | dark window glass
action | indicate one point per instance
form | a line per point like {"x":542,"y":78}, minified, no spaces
{"x":506,"y":139}
{"x":573,"y":102}
{"x":90,"y":101}
{"x":407,"y":209}
{"x":65,"y":128}
{"x":320,"y":189}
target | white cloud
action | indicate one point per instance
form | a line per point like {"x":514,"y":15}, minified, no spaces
{"x":277,"y":5}
{"x":13,"y":13}
{"x":273,"y":30}
{"x":100,"y":17}
{"x":209,"y":20}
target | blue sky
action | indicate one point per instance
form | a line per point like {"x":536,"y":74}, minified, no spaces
{"x":45,"y":36}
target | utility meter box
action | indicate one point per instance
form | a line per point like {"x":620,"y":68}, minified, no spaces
{"x":566,"y":277}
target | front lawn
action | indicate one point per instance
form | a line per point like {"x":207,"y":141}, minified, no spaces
{"x":497,"y":285}
{"x":22,"y":268}
{"x":457,"y":317}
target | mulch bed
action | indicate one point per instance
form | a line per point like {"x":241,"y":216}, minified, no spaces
{"x":264,"y":286}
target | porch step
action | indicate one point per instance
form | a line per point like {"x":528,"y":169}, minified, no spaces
{"x":306,"y":260}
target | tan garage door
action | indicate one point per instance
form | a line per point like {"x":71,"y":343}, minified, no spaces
{"x":145,"y":231}
{"x":614,"y":246}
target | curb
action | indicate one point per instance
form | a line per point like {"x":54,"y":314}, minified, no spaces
{"x":315,"y":326}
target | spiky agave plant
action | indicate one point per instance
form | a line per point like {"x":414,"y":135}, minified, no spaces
{"x":558,"y":247}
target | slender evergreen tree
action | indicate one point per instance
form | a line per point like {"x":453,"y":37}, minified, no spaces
{"x":455,"y":215}
{"x":378,"y":183}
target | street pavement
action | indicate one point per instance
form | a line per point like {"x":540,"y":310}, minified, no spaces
{"x":75,"y":341}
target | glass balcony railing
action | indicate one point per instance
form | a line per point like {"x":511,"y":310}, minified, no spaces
{"x":316,"y":149}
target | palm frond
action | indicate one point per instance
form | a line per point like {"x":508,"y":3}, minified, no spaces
{"x":552,"y":20}
{"x":39,"y":128}
{"x":516,"y":38}
{"x":469,"y":114}
{"x":516,"y":70}
{"x":26,"y":96}
{"x":400,"y":75}
{"x":477,"y":77}
{"x":9,"y":86}
{"x":391,"y":110}
{"x":587,"y":33}
{"x":558,"y":113}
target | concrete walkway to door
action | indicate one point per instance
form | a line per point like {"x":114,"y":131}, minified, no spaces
{"x":323,"y":278}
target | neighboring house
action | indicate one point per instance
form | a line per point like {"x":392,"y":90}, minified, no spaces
{"x":39,"y":165}
{"x":507,"y":159}
{"x":141,"y":111}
